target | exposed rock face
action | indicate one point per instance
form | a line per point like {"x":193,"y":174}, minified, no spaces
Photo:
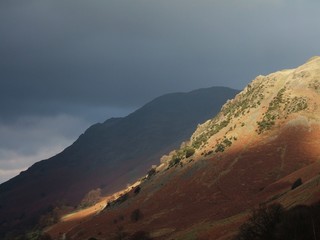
{"x":252,"y":152}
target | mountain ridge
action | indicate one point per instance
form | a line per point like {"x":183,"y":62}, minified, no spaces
{"x":108,"y":155}
{"x":250,"y":153}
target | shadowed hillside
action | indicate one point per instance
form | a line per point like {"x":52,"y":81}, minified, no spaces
{"x":108,"y":155}
{"x":261,"y":148}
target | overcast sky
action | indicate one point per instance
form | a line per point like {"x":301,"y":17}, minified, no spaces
{"x":66,"y":64}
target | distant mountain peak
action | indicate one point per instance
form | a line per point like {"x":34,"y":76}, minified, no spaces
{"x":108,"y":155}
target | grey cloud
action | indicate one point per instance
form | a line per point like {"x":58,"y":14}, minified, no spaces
{"x":25,"y":140}
{"x":127,"y":52}
{"x":7,"y":174}
{"x":91,"y":60}
{"x":33,"y":138}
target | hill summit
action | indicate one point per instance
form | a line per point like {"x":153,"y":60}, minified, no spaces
{"x":268,"y":104}
{"x":254,"y":151}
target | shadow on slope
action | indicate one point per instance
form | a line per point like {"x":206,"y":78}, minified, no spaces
{"x":107,"y":156}
{"x":192,"y":198}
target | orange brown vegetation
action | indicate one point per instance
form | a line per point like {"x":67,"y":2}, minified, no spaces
{"x":209,"y":195}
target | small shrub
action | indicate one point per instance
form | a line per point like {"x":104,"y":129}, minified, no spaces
{"x":119,"y":200}
{"x":137,"y":190}
{"x":136,"y":215}
{"x":227,"y":142}
{"x":175,"y":160}
{"x":151,"y":172}
{"x":262,"y":223}
{"x":123,"y":198}
{"x":189,"y":152}
{"x":296,"y":184}
{"x":140,"y":235}
{"x":208,"y":153}
{"x":220,"y":148}
{"x":265,"y":124}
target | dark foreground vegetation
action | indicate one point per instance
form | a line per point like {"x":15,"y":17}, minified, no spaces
{"x":273,"y":222}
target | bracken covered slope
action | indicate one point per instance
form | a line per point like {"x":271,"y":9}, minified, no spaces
{"x":252,"y":152}
{"x":107,"y":156}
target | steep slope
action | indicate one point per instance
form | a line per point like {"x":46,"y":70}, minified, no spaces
{"x":107,"y":155}
{"x":252,"y":152}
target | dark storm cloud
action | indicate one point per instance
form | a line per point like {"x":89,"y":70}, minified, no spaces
{"x":127,"y":52}
{"x":31,"y":139}
{"x":90,"y":60}
{"x":27,"y":139}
